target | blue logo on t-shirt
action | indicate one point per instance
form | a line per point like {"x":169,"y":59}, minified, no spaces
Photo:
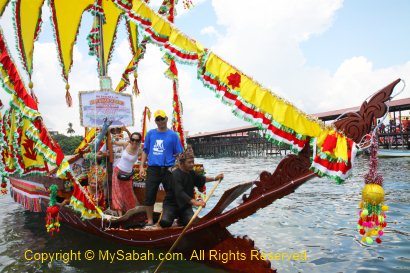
{"x":158,"y":148}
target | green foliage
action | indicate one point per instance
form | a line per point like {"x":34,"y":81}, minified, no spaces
{"x":68,"y":143}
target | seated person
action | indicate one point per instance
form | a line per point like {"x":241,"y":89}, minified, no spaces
{"x":96,"y":177}
{"x":179,"y":199}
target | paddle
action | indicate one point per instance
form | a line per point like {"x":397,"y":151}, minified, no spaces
{"x":190,"y":222}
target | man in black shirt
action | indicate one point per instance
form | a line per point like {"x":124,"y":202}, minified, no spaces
{"x":180,"y":198}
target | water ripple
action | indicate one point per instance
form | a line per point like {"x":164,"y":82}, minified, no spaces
{"x":319,"y":218}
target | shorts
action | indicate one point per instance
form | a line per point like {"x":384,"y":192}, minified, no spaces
{"x":155,"y":176}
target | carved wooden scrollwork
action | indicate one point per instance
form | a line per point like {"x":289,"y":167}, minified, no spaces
{"x":356,"y":125}
{"x":290,"y":168}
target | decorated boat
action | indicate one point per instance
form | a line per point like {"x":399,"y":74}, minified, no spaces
{"x":43,"y":180}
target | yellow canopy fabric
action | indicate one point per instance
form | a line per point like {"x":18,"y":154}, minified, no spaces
{"x":112,"y":17}
{"x":283,"y":121}
{"x":32,"y":160}
{"x":66,"y":16}
{"x":261,"y":98}
{"x":28,"y":18}
{"x":86,"y":141}
{"x":3,"y":5}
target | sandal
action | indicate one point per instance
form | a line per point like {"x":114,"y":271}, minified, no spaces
{"x":151,"y":226}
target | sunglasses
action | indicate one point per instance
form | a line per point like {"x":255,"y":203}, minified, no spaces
{"x":135,"y":140}
{"x":159,"y":119}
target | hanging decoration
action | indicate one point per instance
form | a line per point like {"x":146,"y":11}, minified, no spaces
{"x":3,"y":188}
{"x":66,"y":19}
{"x":162,"y":33}
{"x":3,"y":5}
{"x":188,"y":4}
{"x":23,"y":111}
{"x":333,"y":155}
{"x":372,"y":214}
{"x":27,"y":22}
{"x":53,"y":216}
{"x":138,"y":50}
{"x":145,"y":115}
{"x":177,"y":127}
{"x":132,"y":30}
{"x":106,"y":19}
{"x":168,"y":10}
{"x":132,"y":67}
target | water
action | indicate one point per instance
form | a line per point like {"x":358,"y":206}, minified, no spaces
{"x":320,"y":217}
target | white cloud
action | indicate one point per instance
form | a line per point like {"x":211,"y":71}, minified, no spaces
{"x":209,"y":30}
{"x":264,"y":42}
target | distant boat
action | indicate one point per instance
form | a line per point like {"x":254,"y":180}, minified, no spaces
{"x":393,"y":153}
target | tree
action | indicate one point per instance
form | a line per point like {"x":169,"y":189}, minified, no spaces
{"x":70,"y":129}
{"x":68,"y":143}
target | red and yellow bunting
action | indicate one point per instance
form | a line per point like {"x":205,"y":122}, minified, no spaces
{"x":3,"y":5}
{"x":27,"y":18}
{"x":284,"y":123}
{"x":25,"y":153}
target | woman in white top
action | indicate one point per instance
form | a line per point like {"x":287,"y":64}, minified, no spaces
{"x":123,"y":198}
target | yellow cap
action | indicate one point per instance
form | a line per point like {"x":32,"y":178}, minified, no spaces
{"x":160,"y":113}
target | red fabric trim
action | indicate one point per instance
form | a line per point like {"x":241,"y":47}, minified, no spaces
{"x":14,"y":76}
{"x":181,"y":54}
{"x":257,"y":115}
{"x":333,"y":166}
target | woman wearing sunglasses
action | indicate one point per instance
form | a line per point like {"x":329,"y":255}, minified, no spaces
{"x":123,"y":198}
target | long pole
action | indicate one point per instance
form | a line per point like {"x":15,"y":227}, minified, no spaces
{"x":103,"y":71}
{"x":189,"y":224}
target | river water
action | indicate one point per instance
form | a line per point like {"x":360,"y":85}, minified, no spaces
{"x":319,"y":218}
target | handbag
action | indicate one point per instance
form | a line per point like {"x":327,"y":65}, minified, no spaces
{"x":125,"y":176}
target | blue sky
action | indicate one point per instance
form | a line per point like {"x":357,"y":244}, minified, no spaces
{"x":318,"y":54}
{"x":375,"y":29}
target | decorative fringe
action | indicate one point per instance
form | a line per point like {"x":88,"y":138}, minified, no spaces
{"x":31,"y":204}
{"x":188,"y":4}
{"x":135,"y":88}
{"x":68,"y":98}
{"x":33,"y":95}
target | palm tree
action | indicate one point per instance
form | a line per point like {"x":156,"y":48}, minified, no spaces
{"x":70,"y":129}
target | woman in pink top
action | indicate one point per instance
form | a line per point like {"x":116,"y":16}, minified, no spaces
{"x":123,"y":198}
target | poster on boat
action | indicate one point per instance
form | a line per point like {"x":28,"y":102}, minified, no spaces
{"x":95,"y":106}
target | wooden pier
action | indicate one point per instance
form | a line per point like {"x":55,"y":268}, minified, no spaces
{"x":249,"y":141}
